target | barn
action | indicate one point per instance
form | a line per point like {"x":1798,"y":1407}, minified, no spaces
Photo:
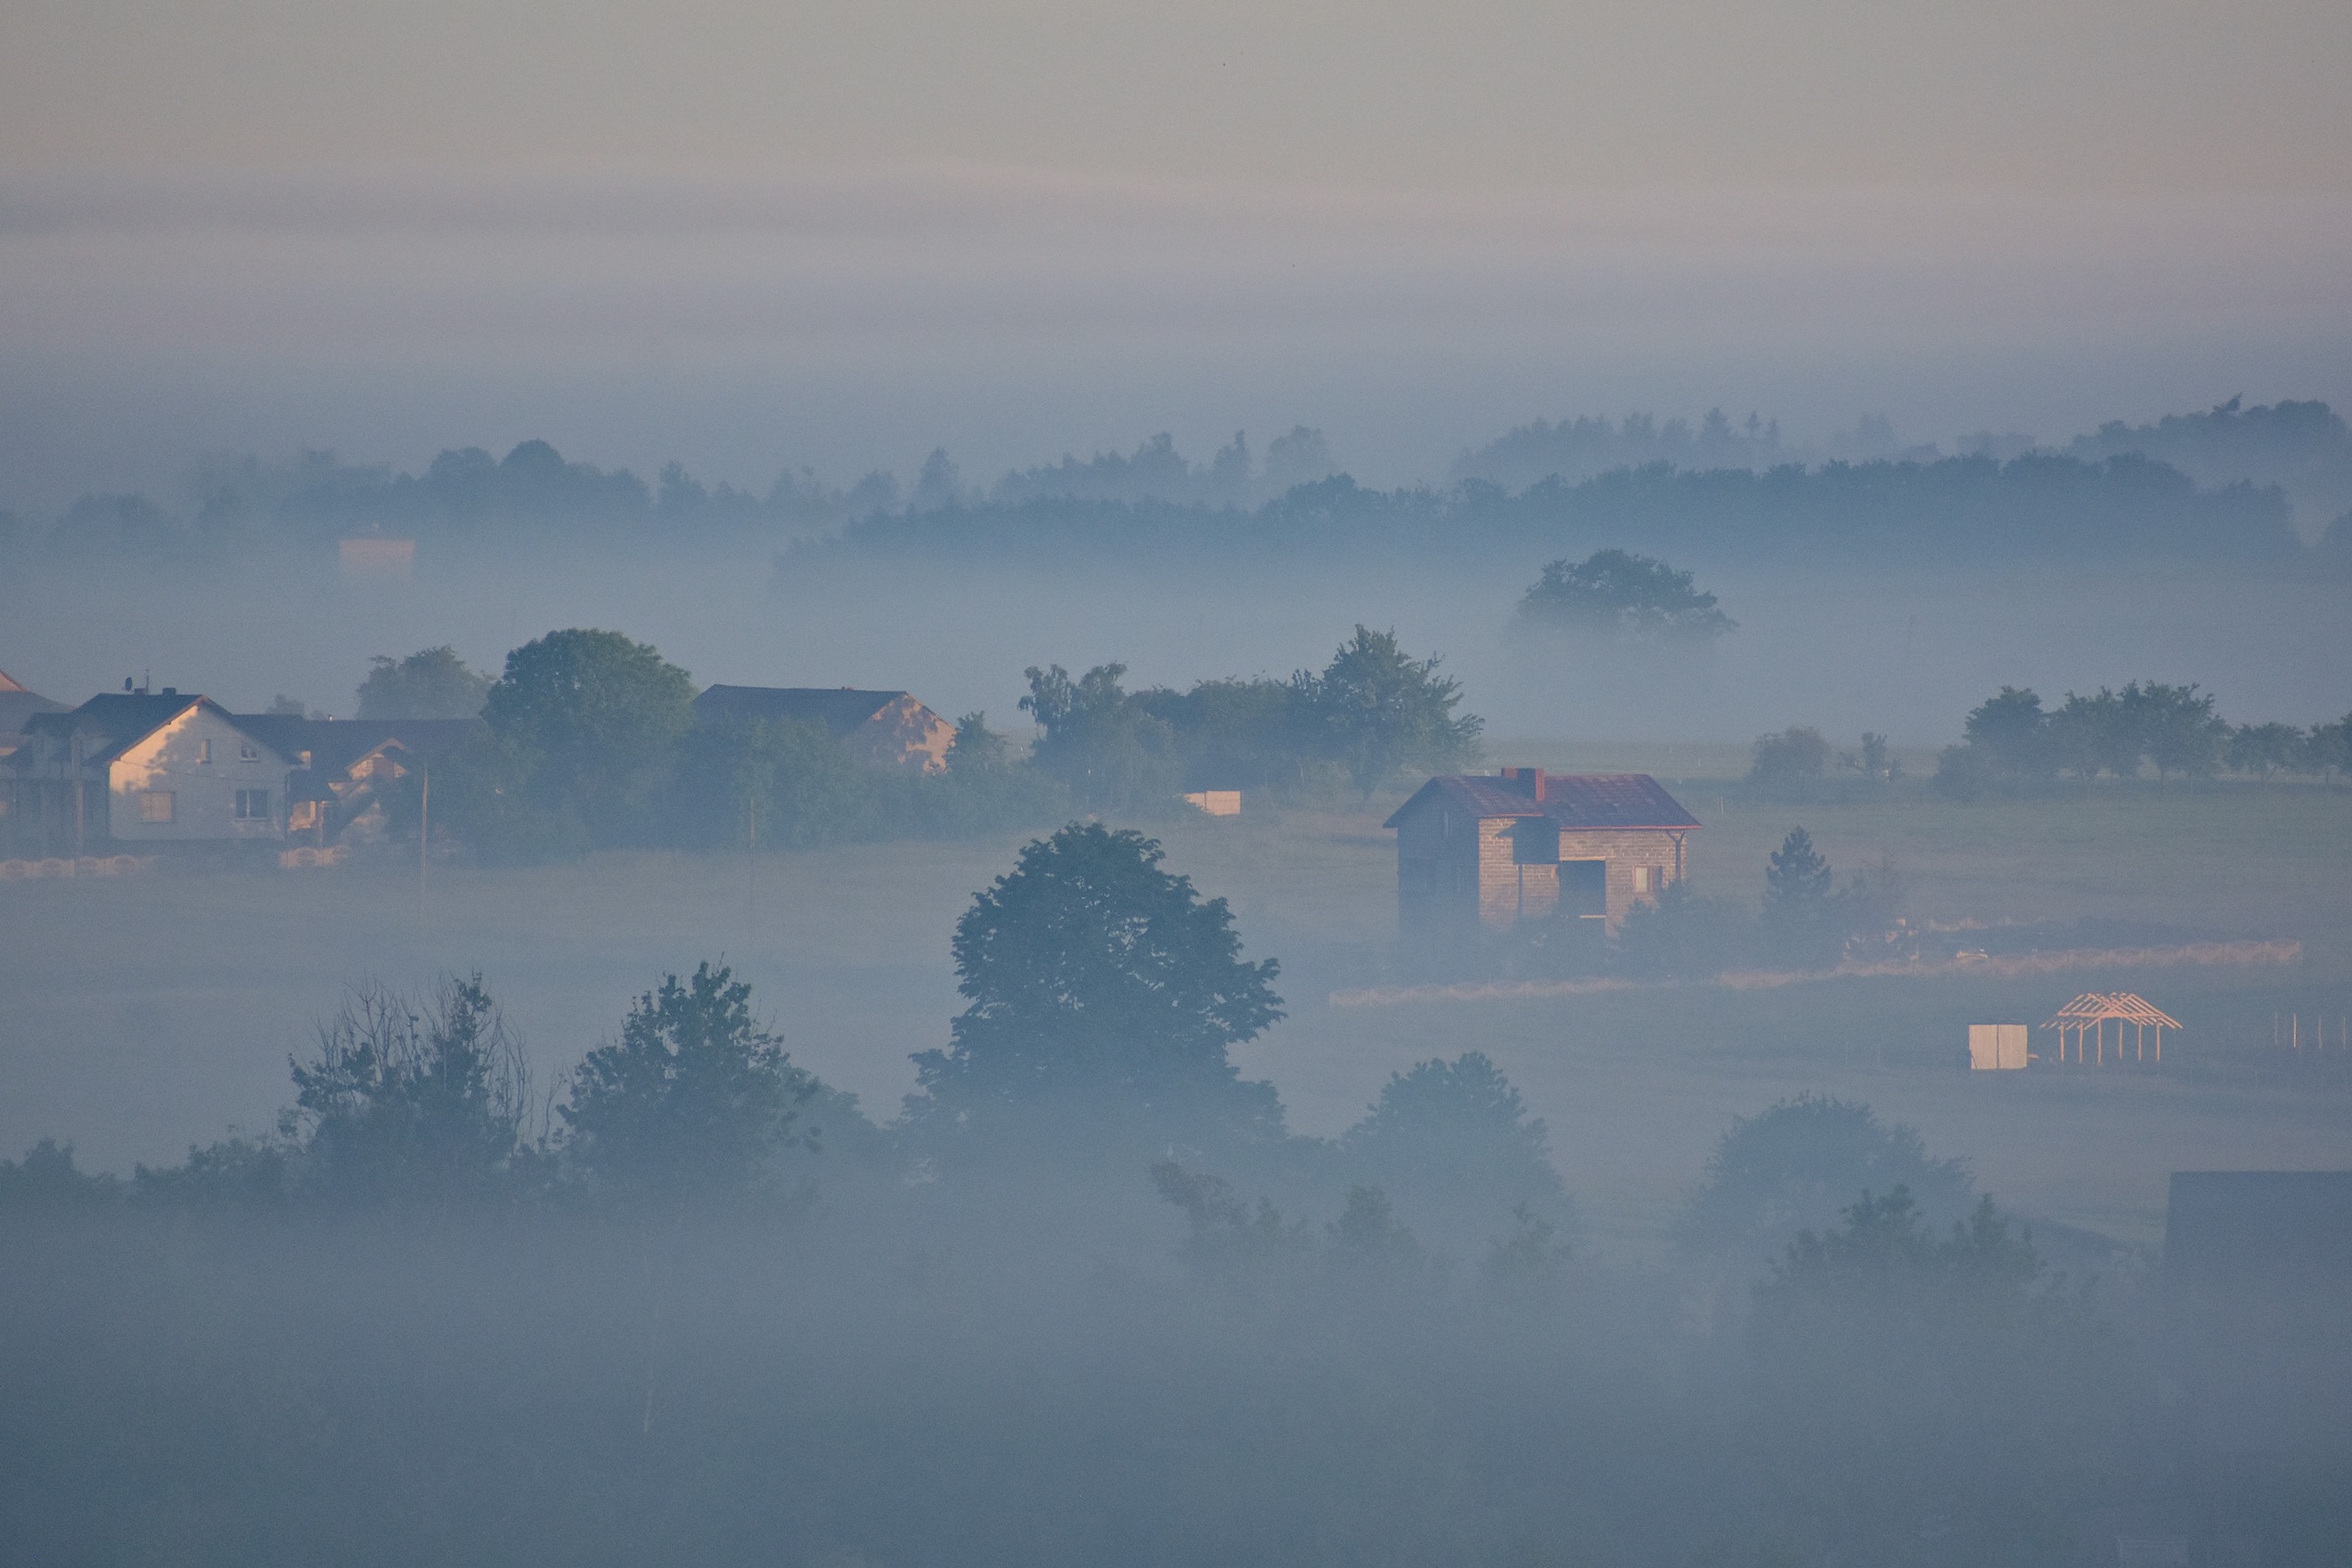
{"x":1480,"y":852}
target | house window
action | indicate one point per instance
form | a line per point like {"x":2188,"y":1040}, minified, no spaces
{"x":1640,"y":878}
{"x":247,"y":751}
{"x":253,"y":806}
{"x":156,"y":805}
{"x":1535,"y":841}
{"x":203,"y":750}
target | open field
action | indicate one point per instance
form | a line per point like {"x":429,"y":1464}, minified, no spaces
{"x":141,"y":1013}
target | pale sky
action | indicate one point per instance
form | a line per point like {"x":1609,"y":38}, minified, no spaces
{"x":752,"y":236}
{"x":2068,"y":95}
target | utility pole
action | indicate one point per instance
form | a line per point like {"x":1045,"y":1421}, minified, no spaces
{"x":423,"y":833}
{"x":81,"y":802}
{"x":751,"y":867}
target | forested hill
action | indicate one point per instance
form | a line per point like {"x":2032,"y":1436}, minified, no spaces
{"x":2120,"y":510}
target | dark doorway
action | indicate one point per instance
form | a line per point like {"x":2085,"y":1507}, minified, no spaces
{"x":1584,"y":889}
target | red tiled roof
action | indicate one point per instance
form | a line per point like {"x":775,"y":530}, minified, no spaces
{"x":1572,"y":799}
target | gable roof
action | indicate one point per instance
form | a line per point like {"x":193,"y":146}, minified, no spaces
{"x":1571,"y":800}
{"x":18,"y":705}
{"x":114,"y":720}
{"x":334,"y":744}
{"x":842,"y":710}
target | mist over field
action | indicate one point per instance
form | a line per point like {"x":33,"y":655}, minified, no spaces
{"x":918,"y":786}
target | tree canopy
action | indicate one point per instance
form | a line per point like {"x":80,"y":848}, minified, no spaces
{"x":433,"y":683}
{"x":1615,"y":594}
{"x":1091,"y":972}
{"x":591,"y":716}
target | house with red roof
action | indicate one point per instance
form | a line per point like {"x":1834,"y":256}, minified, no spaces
{"x":1480,"y":852}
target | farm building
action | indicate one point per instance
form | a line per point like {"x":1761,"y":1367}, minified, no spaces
{"x":882,"y":729}
{"x":1481,"y":852}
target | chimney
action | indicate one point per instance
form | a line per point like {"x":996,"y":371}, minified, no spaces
{"x":1537,"y":774}
{"x":1531,"y":777}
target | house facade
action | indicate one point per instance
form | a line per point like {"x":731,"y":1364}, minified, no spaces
{"x":880,"y":728}
{"x":1478,"y":853}
{"x":131,"y":770}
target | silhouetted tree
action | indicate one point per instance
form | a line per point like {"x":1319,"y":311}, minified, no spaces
{"x":412,"y":1103}
{"x":1455,"y":1138}
{"x":1794,"y":1165}
{"x":1801,"y":906}
{"x":1096,"y":981}
{"x":1632,"y":598}
{"x":433,"y":683}
{"x":1385,"y":712}
{"x":693,"y":1101}
{"x":1792,"y":758}
{"x":1100,"y":740}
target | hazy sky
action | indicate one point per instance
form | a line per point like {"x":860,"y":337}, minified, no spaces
{"x":753,"y":236}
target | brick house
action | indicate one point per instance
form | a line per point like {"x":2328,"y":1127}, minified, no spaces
{"x":1479,"y":852}
{"x":881,"y":729}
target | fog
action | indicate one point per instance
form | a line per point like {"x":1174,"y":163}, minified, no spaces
{"x":1438,"y":730}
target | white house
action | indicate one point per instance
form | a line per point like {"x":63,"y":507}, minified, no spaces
{"x":139,"y":769}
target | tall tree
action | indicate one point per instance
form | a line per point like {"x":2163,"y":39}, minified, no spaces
{"x":1384,"y":711}
{"x":596,"y":715}
{"x":1096,"y":979}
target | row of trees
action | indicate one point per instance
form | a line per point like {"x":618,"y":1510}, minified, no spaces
{"x":1369,"y":715}
{"x":589,"y":739}
{"x":2013,"y":739}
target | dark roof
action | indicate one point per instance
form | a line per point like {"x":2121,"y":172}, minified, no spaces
{"x":335,"y":744}
{"x":113,"y":720}
{"x":17,"y":706}
{"x":1572,"y":799}
{"x":840,"y":709}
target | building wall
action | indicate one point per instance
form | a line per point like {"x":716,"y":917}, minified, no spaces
{"x":1437,"y":877}
{"x":905,"y":734}
{"x":202,"y":762}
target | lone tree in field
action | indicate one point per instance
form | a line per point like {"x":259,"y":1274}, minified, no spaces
{"x":1098,"y":983}
{"x":1383,"y":711}
{"x":1622,"y":597}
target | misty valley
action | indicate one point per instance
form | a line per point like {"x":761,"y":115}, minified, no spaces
{"x":1185,"y":1013}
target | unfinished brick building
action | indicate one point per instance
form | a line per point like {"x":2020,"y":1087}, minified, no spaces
{"x":1479,"y":852}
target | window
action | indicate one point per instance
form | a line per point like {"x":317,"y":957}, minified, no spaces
{"x":247,"y":751}
{"x":1640,"y":878}
{"x":156,"y":805}
{"x":203,"y":750}
{"x":253,"y":806}
{"x":1535,"y":841}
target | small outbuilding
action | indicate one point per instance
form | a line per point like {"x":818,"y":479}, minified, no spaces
{"x":2091,"y":1013}
{"x":1480,"y":852}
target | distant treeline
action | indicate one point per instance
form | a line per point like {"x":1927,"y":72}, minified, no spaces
{"x":2217,"y":485}
{"x":2012,"y":743}
{"x":1957,"y":511}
